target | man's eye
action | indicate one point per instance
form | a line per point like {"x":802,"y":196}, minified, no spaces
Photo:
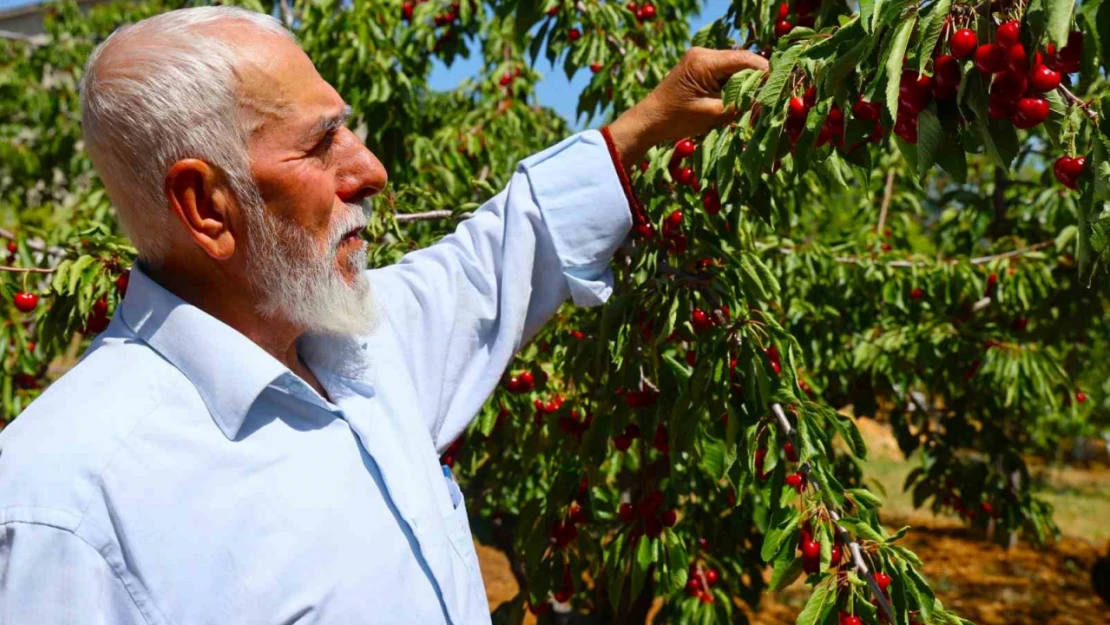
{"x":325,"y":143}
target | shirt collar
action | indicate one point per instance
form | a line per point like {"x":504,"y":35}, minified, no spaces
{"x":229,"y":370}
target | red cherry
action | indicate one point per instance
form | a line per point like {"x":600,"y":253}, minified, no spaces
{"x":711,"y":200}
{"x":1043,"y":78}
{"x":784,"y":10}
{"x":782,"y":27}
{"x":646,"y":12}
{"x":849,"y":619}
{"x":917,"y":294}
{"x":1030,"y":112}
{"x":406,"y":10}
{"x":677,"y":244}
{"x":806,"y":21}
{"x":506,"y":79}
{"x":700,"y":320}
{"x":693,"y":586}
{"x":684,"y":175}
{"x":669,"y":518}
{"x":795,"y":481}
{"x":12,"y":247}
{"x":573,"y":35}
{"x":122,"y":281}
{"x":835,"y":554}
{"x":627,"y":513}
{"x":1000,"y":108}
{"x":1068,"y":170}
{"x":990,"y":58}
{"x":632,"y":6}
{"x":791,"y":453}
{"x":1080,"y":397}
{"x":621,"y":442}
{"x":595,"y":67}
{"x":706,"y":597}
{"x":883,"y":580}
{"x":1017,"y":60}
{"x":25,"y":302}
{"x":684,"y":148}
{"x":906,"y":128}
{"x":646,"y":231}
{"x":797,"y":108}
{"x":527,"y":381}
{"x":1008,"y":85}
{"x":773,"y":358}
{"x":673,"y":223}
{"x":869,"y":111}
{"x":1008,"y":34}
{"x":760,"y":455}
{"x":914,"y":91}
{"x":30,"y":346}
{"x":711,"y":576}
{"x":805,"y":7}
{"x":811,"y":549}
{"x":964,"y":42}
{"x":810,"y":97}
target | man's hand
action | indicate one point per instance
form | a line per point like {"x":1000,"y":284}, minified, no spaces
{"x":685,"y":104}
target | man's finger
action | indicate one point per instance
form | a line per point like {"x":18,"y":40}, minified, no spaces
{"x":722,"y":64}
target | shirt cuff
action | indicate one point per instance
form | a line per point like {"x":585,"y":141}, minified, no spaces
{"x":585,"y":211}
{"x":638,"y":215}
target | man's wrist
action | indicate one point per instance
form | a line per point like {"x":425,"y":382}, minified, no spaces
{"x":633,"y":135}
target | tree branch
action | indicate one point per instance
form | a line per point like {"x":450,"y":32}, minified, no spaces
{"x":979,"y":260}
{"x":845,"y":537}
{"x":25,"y":269}
{"x":429,"y":216}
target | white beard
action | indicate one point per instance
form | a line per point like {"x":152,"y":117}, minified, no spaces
{"x":297,"y":282}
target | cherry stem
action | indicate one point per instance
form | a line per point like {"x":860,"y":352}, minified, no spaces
{"x":980,"y":260}
{"x":1076,"y":101}
{"x":888,"y":191}
{"x":845,"y":537}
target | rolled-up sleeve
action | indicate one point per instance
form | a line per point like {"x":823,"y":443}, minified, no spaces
{"x":461,"y":308}
{"x":49,"y":576}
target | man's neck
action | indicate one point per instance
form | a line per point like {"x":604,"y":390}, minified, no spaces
{"x":233,"y":306}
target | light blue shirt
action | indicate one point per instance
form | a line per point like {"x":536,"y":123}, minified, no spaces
{"x":179,"y":474}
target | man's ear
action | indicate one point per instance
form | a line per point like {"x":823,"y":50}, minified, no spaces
{"x":200,"y":198}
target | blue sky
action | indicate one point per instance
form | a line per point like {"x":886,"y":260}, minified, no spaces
{"x":554,"y":90}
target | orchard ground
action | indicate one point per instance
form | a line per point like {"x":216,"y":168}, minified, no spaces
{"x":981,"y":581}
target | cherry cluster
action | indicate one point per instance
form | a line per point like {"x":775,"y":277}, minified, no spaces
{"x":521,"y":383}
{"x":803,"y":16}
{"x":647,"y":516}
{"x":1016,"y":86}
{"x":700,"y":581}
{"x":644,"y":12}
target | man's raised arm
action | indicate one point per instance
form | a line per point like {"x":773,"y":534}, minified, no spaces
{"x":461,"y":308}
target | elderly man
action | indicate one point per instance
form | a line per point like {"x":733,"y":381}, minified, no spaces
{"x":254,"y":438}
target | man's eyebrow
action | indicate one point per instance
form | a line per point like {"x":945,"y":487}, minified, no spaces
{"x":326,"y":124}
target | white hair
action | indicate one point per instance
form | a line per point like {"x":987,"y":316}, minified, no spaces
{"x":162,"y":90}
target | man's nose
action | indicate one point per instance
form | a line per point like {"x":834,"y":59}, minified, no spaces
{"x":361,"y":174}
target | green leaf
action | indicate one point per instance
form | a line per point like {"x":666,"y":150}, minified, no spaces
{"x":1059,"y":20}
{"x":865,"y":497}
{"x":783,"y":525}
{"x":782,"y":66}
{"x":930,"y":139}
{"x":894,"y":55}
{"x":820,"y":603}
{"x":641,"y":564}
{"x":677,"y":560}
{"x":931,"y":32}
{"x":788,"y":567}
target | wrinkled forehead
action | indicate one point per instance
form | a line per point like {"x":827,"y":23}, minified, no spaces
{"x":280,"y":87}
